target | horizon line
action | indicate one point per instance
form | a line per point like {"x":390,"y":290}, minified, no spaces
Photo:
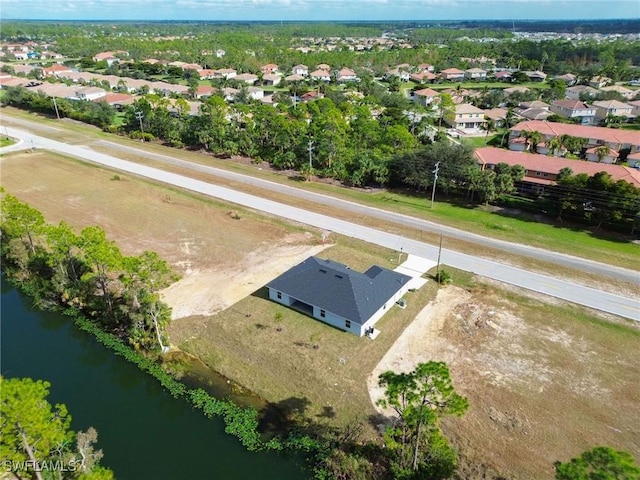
{"x":547,"y":20}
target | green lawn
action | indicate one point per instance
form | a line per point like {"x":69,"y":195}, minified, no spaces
{"x":476,"y":142}
{"x":6,"y":141}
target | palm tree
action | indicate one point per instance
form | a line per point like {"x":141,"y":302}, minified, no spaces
{"x":533,"y":139}
{"x":601,"y":152}
{"x":553,"y":146}
{"x":488,"y":127}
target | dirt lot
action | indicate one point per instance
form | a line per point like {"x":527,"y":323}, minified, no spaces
{"x":545,"y":381}
{"x":222,"y":252}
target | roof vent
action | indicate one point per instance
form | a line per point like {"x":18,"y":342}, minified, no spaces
{"x":323,"y":271}
{"x":338,"y":276}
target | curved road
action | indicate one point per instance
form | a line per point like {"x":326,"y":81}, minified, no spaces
{"x":604,"y":301}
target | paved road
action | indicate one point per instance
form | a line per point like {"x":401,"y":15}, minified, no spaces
{"x":618,"y":305}
{"x":400,"y":219}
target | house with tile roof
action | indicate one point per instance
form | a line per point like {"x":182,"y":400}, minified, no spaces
{"x":301,"y":70}
{"x":425,"y":96}
{"x":466,"y":118}
{"x":321,"y":75}
{"x":346,"y":75}
{"x":574,"y":93}
{"x":423,"y":77}
{"x":543,"y":170}
{"x":612,"y":107}
{"x":248,"y":78}
{"x":624,"y":91}
{"x":475,"y":74}
{"x":617,"y":139}
{"x":269,"y":69}
{"x":453,"y":74}
{"x":332,"y":293}
{"x":585,"y":113}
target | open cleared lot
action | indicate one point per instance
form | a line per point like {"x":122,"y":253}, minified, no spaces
{"x":219,"y":249}
{"x":545,"y":380}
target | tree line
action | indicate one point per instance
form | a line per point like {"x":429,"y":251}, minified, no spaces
{"x":597,"y":200}
{"x":86,"y":272}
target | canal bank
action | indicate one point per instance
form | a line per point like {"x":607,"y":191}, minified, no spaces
{"x":143,"y":431}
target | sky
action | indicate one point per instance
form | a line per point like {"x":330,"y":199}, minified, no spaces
{"x":287,"y":10}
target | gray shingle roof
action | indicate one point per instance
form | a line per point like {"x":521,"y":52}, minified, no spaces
{"x":336,"y":288}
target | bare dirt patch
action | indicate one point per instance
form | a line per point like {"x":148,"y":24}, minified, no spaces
{"x":211,"y":291}
{"x":545,"y":382}
{"x":223,"y":252}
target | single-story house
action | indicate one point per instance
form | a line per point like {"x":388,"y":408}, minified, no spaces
{"x":503,"y":76}
{"x":599,"y":81}
{"x":321,"y":75}
{"x":248,"y":78}
{"x":271,"y":79}
{"x":635,"y":104}
{"x":117,"y":100}
{"x":514,"y":90}
{"x":497,"y":115}
{"x":346,"y":75}
{"x":334,"y":294}
{"x":536,"y":76}
{"x":568,"y":78}
{"x":616,"y":139}
{"x":633,"y":161}
{"x":423,"y":77}
{"x":269,"y":69}
{"x":88,"y":93}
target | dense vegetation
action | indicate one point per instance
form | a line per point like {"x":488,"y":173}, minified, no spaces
{"x":36,"y":440}
{"x":85,"y":272}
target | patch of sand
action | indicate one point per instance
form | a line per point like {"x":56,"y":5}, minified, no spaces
{"x":409,"y":349}
{"x":206,"y":292}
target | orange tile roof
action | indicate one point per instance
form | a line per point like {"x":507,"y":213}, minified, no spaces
{"x":553,"y":165}
{"x":553,"y":129}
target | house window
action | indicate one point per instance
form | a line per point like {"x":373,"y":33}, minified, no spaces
{"x":347,"y":323}
{"x":323,"y":313}
{"x":279,"y":295}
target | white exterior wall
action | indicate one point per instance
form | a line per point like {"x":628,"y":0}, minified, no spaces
{"x":338,"y":321}
{"x":385,"y":308}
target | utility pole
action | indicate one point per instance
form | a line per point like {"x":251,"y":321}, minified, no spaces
{"x":55,"y":105}
{"x":310,"y":150}
{"x":139,"y":116}
{"x":435,"y":179}
{"x":400,"y":255}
